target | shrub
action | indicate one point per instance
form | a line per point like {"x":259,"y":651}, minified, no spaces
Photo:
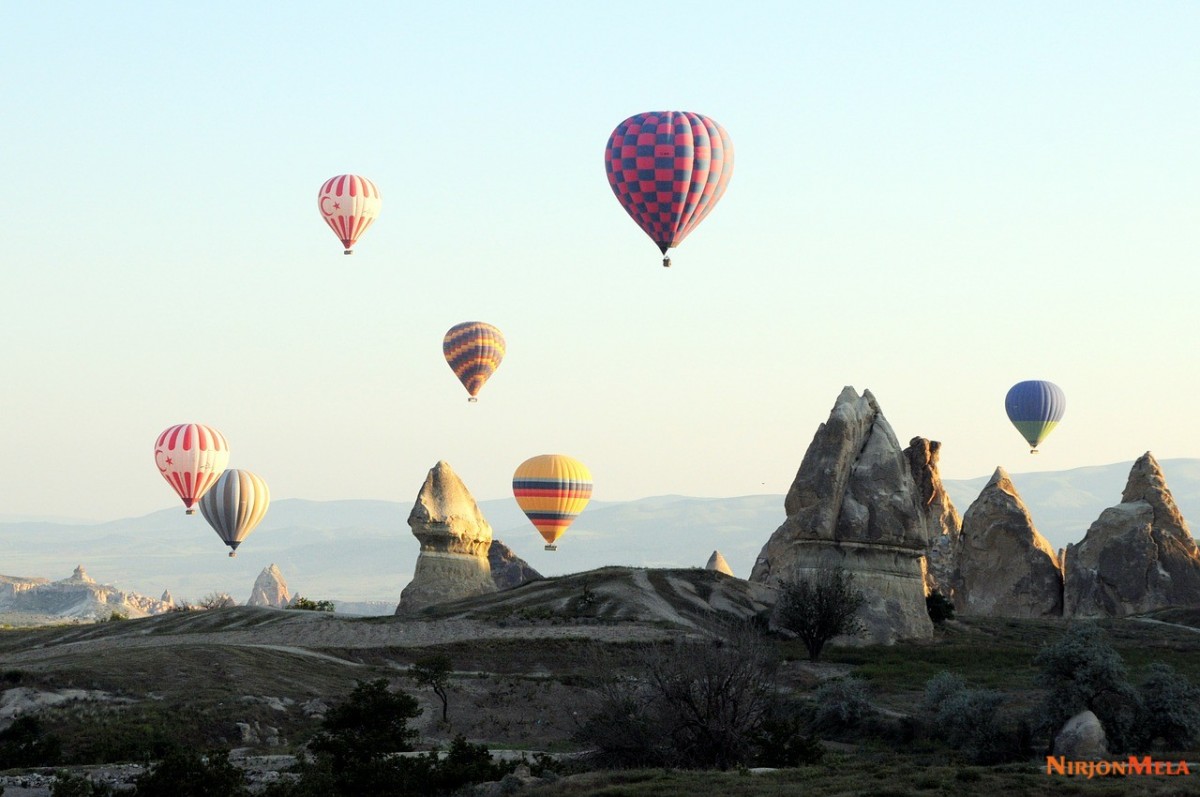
{"x":304,"y":604}
{"x":842,"y":704}
{"x":689,"y":705}
{"x":1170,"y":709}
{"x":971,"y":720}
{"x":188,"y":773}
{"x":1081,"y":672}
{"x":781,"y":741}
{"x":217,"y":600}
{"x":938,"y":689}
{"x":23,"y":744}
{"x":940,"y":607}
{"x":68,"y":784}
{"x":820,"y":607}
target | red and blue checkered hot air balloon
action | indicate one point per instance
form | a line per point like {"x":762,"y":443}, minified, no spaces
{"x":1035,"y":407}
{"x":668,"y":170}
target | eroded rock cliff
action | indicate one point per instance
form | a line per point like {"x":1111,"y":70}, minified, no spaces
{"x":855,"y":504}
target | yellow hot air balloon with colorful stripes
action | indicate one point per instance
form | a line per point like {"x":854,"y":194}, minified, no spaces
{"x":552,"y":489}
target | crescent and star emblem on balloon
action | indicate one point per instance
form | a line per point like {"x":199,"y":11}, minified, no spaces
{"x":161,"y":468}
{"x":325,"y":199}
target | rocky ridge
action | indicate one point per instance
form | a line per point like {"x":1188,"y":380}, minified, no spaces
{"x":78,"y":597}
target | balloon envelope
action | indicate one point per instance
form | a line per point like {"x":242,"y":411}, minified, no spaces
{"x":473,"y":350}
{"x":552,"y":490}
{"x":191,"y":457}
{"x":349,"y":204}
{"x":235,"y":505}
{"x":668,"y":169}
{"x":1035,"y":407}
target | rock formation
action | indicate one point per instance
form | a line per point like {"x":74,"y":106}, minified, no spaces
{"x":79,"y":597}
{"x":718,"y":563}
{"x":270,"y":589}
{"x":454,"y":538}
{"x":1138,"y":556}
{"x":1082,"y":738}
{"x":167,"y":598}
{"x":942,"y":522}
{"x":1005,"y":567}
{"x":508,"y":569}
{"x":854,"y":503}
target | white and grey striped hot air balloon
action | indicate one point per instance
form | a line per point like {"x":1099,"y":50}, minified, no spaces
{"x":235,"y":505}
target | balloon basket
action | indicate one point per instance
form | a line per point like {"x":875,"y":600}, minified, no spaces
{"x":1033,"y":451}
{"x":348,"y":252}
{"x":232,"y":554}
{"x":472,"y":400}
{"x":666,"y":262}
{"x":551,"y":547}
{"x":191,"y":511}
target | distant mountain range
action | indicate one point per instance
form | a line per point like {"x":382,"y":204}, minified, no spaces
{"x":363,"y":551}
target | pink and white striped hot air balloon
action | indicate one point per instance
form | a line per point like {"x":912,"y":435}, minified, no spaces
{"x":349,"y":204}
{"x":191,"y":457}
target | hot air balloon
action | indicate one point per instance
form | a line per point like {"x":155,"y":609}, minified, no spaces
{"x":349,"y":204}
{"x":235,"y":505}
{"x":473,"y":350}
{"x":1035,"y":407}
{"x":668,"y":170}
{"x":191,"y":457}
{"x":552,"y":490}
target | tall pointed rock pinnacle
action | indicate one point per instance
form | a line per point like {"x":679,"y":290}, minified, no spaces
{"x":1005,"y":567}
{"x":454,"y":538}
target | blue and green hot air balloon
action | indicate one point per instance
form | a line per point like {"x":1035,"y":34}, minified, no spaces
{"x":1035,"y":407}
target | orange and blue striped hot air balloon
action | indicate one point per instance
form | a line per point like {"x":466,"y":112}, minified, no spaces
{"x":349,"y":204}
{"x":473,"y":350}
{"x":1035,"y":407}
{"x":552,"y":489}
{"x":668,"y":170}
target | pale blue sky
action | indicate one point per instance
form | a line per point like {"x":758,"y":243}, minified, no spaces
{"x":930,"y":200}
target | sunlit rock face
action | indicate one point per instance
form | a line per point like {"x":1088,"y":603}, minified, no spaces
{"x":1137,"y":556}
{"x":855,"y":504}
{"x":270,"y":589}
{"x":508,"y":569}
{"x":717,"y":562}
{"x":942,"y":522}
{"x":1005,"y":567}
{"x":454,"y":538}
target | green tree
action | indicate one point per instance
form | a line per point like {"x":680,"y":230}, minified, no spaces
{"x":185,"y":772}
{"x":1081,"y":671}
{"x":434,"y":671}
{"x":304,"y":604}
{"x":24,"y":744}
{"x":820,"y":607}
{"x":371,"y":724}
{"x":1170,"y":709}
